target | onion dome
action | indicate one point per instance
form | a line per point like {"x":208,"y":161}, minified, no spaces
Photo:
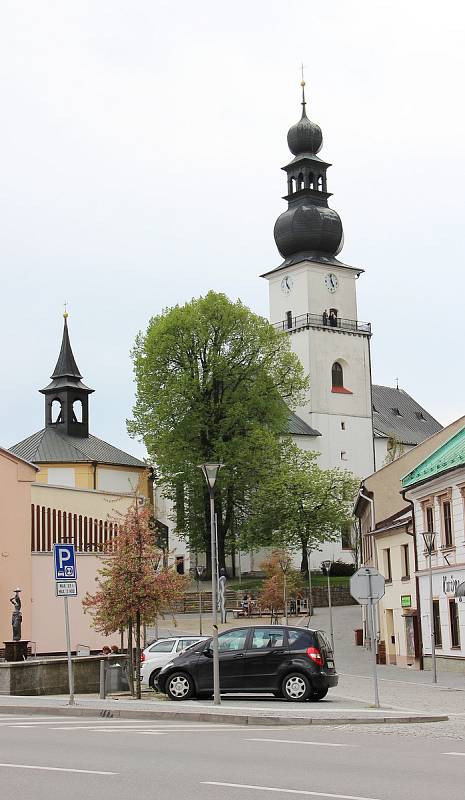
{"x":305,"y":136}
{"x":307,"y":227}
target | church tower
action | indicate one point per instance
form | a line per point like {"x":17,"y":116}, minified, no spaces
{"x":66,"y":397}
{"x":313,"y":298}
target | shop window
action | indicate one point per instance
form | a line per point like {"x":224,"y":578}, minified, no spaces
{"x":454,"y":623}
{"x":437,"y":624}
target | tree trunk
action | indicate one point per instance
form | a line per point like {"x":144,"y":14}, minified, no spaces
{"x":130,"y":659}
{"x":138,"y":691}
{"x":304,"y":565}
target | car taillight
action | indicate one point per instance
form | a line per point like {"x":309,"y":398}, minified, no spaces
{"x":315,"y":655}
{"x":142,"y":656}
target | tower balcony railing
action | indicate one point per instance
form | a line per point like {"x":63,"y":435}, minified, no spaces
{"x":292,"y":324}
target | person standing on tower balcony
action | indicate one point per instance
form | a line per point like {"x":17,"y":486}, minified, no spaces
{"x":325,"y":317}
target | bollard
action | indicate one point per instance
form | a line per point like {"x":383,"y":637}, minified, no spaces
{"x":102,"y":679}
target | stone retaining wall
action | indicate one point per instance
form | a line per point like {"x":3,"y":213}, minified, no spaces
{"x":42,"y":676}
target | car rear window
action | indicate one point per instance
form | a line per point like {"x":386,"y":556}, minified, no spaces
{"x":300,"y":639}
{"x":164,"y":646}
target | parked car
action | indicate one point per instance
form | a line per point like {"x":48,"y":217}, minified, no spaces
{"x":293,"y":663}
{"x":156,"y":655}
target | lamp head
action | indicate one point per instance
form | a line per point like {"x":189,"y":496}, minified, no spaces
{"x":210,"y":473}
{"x":199,"y":570}
{"x":327,"y":565}
{"x":429,"y":537}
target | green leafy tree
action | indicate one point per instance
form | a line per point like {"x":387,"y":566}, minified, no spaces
{"x":214,"y":383}
{"x":300,"y":505}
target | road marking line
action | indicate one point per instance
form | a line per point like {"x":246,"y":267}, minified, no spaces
{"x":288,"y":791}
{"x":453,"y":754}
{"x":58,"y":769}
{"x":298,"y":741}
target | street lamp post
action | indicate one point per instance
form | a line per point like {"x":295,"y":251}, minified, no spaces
{"x":199,"y":571}
{"x":210,"y":473}
{"x":327,"y":565}
{"x":429,"y":537}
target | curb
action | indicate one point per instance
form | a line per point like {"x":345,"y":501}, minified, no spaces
{"x":214,"y":716}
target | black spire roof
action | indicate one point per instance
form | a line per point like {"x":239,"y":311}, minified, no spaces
{"x":66,"y":365}
{"x":309,"y":229}
{"x":66,"y":373}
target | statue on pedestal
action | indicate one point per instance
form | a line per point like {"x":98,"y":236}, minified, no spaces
{"x":16,"y":617}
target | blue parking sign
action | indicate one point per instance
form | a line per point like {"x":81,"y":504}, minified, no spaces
{"x":64,"y":558}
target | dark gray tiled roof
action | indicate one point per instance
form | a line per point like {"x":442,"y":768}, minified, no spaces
{"x":397,"y":414}
{"x":297,"y":427}
{"x":51,"y":446}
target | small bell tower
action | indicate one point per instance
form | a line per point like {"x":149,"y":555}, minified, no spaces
{"x":66,"y":397}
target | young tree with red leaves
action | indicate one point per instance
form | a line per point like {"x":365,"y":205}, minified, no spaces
{"x":132,"y":589}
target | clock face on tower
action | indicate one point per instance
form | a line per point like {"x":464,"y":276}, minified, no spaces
{"x":331,"y":282}
{"x":287,"y":284}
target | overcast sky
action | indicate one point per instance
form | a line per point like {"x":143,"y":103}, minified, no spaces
{"x":141,"y":144}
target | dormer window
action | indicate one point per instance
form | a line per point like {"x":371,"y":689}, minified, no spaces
{"x":396,"y":412}
{"x":420,"y":415}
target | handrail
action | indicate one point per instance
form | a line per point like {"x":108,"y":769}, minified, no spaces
{"x":316,"y":320}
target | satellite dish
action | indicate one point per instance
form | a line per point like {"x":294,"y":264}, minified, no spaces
{"x":460,"y":590}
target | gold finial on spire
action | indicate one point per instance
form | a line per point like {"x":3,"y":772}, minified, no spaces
{"x":65,"y":313}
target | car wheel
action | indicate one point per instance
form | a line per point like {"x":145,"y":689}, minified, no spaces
{"x":179,"y":686}
{"x":296,"y":687}
{"x":318,"y":694}
{"x":153,"y":680}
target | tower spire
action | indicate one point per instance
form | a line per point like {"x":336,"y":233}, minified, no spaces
{"x":66,"y":366}
{"x":66,"y":397}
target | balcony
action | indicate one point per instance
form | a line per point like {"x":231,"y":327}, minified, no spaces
{"x":305,"y":321}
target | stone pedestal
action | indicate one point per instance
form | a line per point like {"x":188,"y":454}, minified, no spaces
{"x":16,"y":651}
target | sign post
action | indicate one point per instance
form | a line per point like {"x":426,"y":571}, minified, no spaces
{"x":64,"y":559}
{"x":367,"y":588}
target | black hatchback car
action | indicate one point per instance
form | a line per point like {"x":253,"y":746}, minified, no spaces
{"x":296,"y":664}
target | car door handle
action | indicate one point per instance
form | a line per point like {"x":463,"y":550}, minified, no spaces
{"x":239,"y":655}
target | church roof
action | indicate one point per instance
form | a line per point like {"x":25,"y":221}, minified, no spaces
{"x":50,"y":446}
{"x":449,"y":456}
{"x":397,"y":414}
{"x":298,"y":427}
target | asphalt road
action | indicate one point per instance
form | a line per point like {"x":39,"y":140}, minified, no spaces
{"x":55,"y":757}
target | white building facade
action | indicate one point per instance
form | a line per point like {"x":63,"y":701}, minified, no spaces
{"x":437,"y":488}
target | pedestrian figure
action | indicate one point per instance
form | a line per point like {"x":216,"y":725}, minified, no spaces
{"x":325,"y":317}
